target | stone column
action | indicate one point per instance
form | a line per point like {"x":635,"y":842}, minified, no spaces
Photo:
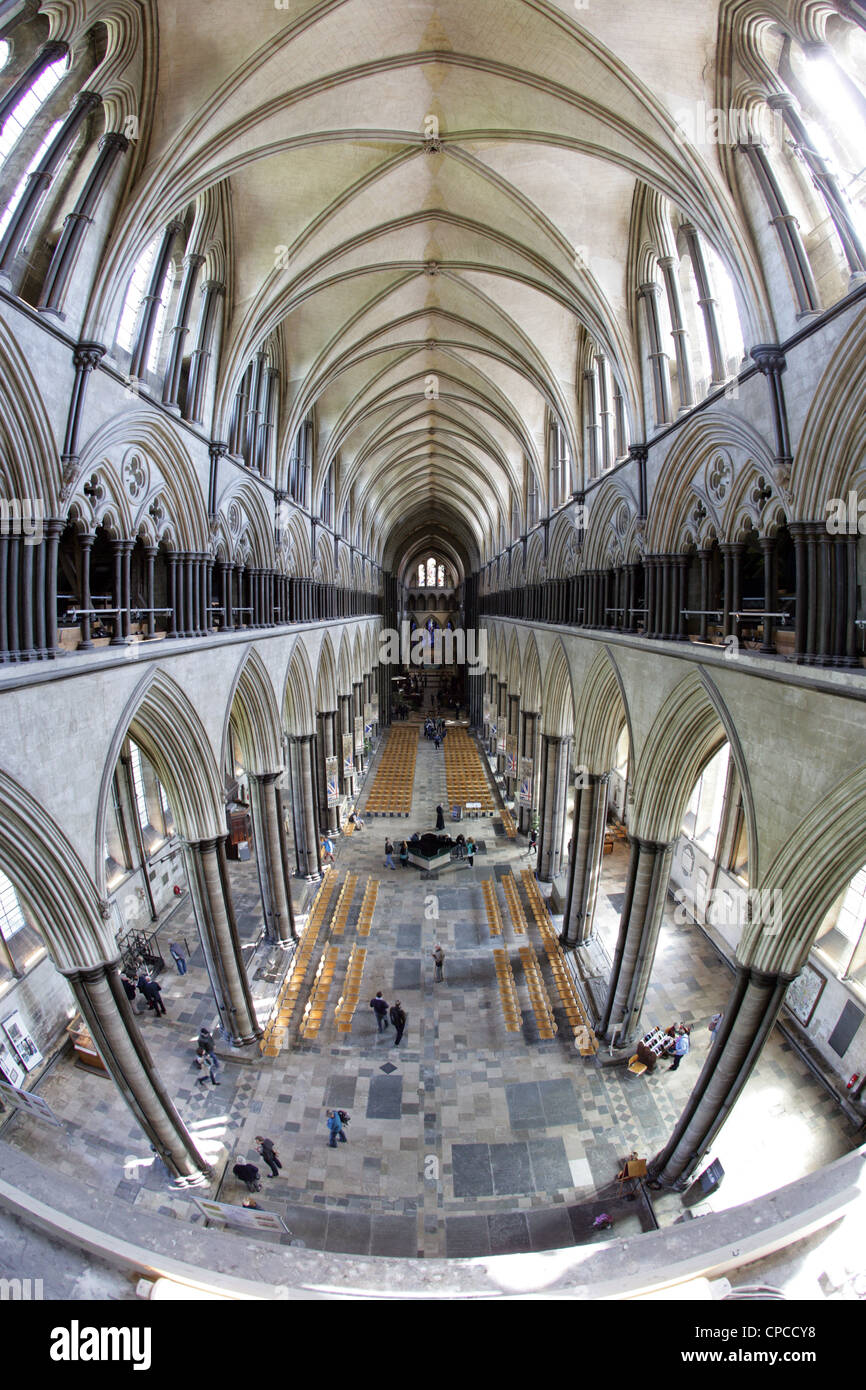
{"x":708,"y":305}
{"x":109,"y":1018}
{"x":307,"y":849}
{"x":358,"y":713}
{"x":514,"y":732}
{"x":151,"y":302}
{"x":704,"y":556}
{"x":787,"y":228}
{"x":75,"y":225}
{"x":555,"y":749}
{"x":658,"y":358}
{"x":680,"y":334}
{"x":501,"y":722}
{"x":749,"y":1016}
{"x":529,"y":722}
{"x":269,"y":833}
{"x":646,"y":889}
{"x":212,"y":293}
{"x":212,"y":899}
{"x":171,"y":385}
{"x":590,"y":819}
{"x":768,"y":551}
{"x":150,"y":557}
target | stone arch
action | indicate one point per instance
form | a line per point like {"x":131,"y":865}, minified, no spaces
{"x":344,"y":666}
{"x":601,"y":709}
{"x":161,"y":719}
{"x":52,"y":882}
{"x":298,"y":712}
{"x":514,"y":667}
{"x":829,"y":459}
{"x":252,"y":709}
{"x":825,"y":852}
{"x":31,"y":451}
{"x":531,"y":679}
{"x":326,"y":678}
{"x":691,"y":725}
{"x":558,"y":694}
{"x":611,"y":535}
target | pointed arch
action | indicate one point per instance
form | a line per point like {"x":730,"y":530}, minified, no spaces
{"x":558,"y":698}
{"x":252,"y":711}
{"x":601,"y":710}
{"x":165,"y":725}
{"x":298,"y":713}
{"x":531,"y":678}
{"x":326,"y":678}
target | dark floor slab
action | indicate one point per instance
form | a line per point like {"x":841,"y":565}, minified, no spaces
{"x":409,"y":936}
{"x":549,"y":1164}
{"x":559,"y":1102}
{"x":340,"y":1092}
{"x":394,"y":1235}
{"x":407,"y":974}
{"x":467,"y":936}
{"x":509,"y":1233}
{"x":471,"y":1172}
{"x":512,"y":1173}
{"x":466,"y":1236}
{"x":525,"y":1110}
{"x":385,"y":1099}
{"x":307,"y":1223}
{"x":349,"y":1232}
{"x":549,"y":1228}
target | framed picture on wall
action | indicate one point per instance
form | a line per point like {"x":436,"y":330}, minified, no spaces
{"x":10,"y":1068}
{"x":22,"y":1042}
{"x":803,"y":993}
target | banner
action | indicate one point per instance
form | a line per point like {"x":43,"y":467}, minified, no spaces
{"x":485,"y":710}
{"x":511,"y":755}
{"x":34,"y":1105}
{"x":359,"y":733}
{"x":501,"y":739}
{"x":332,"y":778}
{"x":22,"y":1042}
{"x":525,"y":795}
{"x":348,"y":756}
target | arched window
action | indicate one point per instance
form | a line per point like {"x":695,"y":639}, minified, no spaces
{"x":842,"y":937}
{"x":20,"y":945}
{"x":431,"y":573}
{"x":703,"y":817}
{"x":421,"y":575}
{"x":29,"y":103}
{"x":21,"y":186}
{"x":135,"y":296}
{"x":5,"y":50}
{"x":440,"y":576}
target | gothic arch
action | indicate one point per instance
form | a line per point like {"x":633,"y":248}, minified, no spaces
{"x":601,"y":710}
{"x":557,"y":714}
{"x":298,"y":712}
{"x":252,"y":711}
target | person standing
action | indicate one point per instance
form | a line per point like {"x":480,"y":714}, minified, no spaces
{"x":205,"y":1041}
{"x":335,"y":1127}
{"x":440,"y":818}
{"x":438,"y":960}
{"x":152,"y":993}
{"x":328,"y":850}
{"x":209,"y":1067}
{"x":470,"y":852}
{"x":404,"y":855}
{"x":533,"y":842}
{"x":398,"y":1018}
{"x":681,"y":1047}
{"x":265,"y":1147}
{"x":380,"y":1009}
{"x":389,"y":855}
{"x":712,"y":1026}
{"x":131,"y":992}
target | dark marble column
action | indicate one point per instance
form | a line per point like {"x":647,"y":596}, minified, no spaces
{"x":646,"y":890}
{"x":269,"y":833}
{"x":555,"y":753}
{"x":307,"y":847}
{"x":212,"y":899}
{"x":590,"y":819}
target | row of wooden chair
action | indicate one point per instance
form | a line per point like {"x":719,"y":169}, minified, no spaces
{"x":508,"y":824}
{"x":538,"y":995}
{"x":494,"y":917}
{"x":344,"y":902}
{"x":314,"y":1010}
{"x":507,"y":991}
{"x":465,"y":776}
{"x":391,"y":792}
{"x":348,"y":1000}
{"x":574,"y":1010}
{"x":368,"y":907}
{"x":277,"y":1027}
{"x":515,"y":907}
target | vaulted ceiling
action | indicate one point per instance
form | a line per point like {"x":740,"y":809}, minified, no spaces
{"x":432,"y":296}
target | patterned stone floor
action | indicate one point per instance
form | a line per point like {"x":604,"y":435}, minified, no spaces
{"x":466,"y":1139}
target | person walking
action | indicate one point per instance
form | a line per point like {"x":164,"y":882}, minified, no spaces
{"x":178,"y":957}
{"x":389,"y":856}
{"x":440,"y":818}
{"x":470,"y":851}
{"x":328,"y":850}
{"x":380,"y":1009}
{"x":398,"y":1017}
{"x":335,"y":1128}
{"x":533,"y":842}
{"x":438,"y":960}
{"x":205,"y":1041}
{"x":681,"y":1047}
{"x":248,"y":1173}
{"x":265,"y":1148}
{"x":208,"y":1065}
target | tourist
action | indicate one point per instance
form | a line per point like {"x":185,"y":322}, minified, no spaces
{"x":328,"y":850}
{"x":152,"y":993}
{"x":131,"y":992}
{"x":248,"y":1173}
{"x":335,"y":1128}
{"x":439,"y":960}
{"x":380,"y":1009}
{"x":440,"y":818}
{"x":681,"y":1047}
{"x":533,"y":842}
{"x":208,"y":1065}
{"x":178,"y":957}
{"x":389,"y":856}
{"x":265,"y":1147}
{"x":398,"y":1018}
{"x":404,"y":855}
{"x":470,"y":852}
